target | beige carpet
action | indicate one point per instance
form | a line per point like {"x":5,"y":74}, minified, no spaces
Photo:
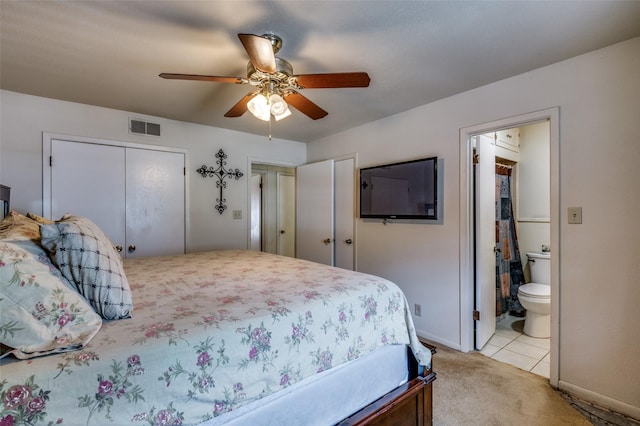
{"x":472,"y":389}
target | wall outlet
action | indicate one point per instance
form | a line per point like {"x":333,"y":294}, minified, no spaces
{"x":417,"y":309}
{"x":237,"y":214}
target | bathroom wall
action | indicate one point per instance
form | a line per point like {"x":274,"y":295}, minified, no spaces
{"x":533,"y":190}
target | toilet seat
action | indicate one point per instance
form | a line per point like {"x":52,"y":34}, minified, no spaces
{"x":535,"y":291}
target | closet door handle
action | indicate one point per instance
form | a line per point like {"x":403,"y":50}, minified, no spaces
{"x":132,"y":248}
{"x":348,"y":241}
{"x":118,"y":248}
{"x":327,"y":241}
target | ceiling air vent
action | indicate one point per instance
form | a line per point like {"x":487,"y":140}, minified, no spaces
{"x":140,"y":127}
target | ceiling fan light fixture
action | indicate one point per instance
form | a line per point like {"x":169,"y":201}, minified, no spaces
{"x":259,"y":107}
{"x":283,"y":115}
{"x":279,"y":107}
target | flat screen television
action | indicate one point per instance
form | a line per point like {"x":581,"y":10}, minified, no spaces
{"x":407,"y":190}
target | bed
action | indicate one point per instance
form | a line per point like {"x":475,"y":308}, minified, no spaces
{"x":229,"y":337}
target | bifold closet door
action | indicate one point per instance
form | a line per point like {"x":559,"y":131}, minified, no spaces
{"x":136,"y":196}
{"x":154,"y":203}
{"x":315,"y":212}
{"x":344,"y":213}
{"x":325,"y":200}
{"x":89,"y":180}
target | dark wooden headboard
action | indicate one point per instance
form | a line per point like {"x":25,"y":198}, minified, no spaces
{"x":5,"y":199}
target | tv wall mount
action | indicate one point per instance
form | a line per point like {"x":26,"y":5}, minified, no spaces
{"x":220,"y":172}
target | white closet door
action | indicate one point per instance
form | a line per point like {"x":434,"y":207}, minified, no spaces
{"x":286,"y":215}
{"x":344,"y":213}
{"x":155,"y":203}
{"x":89,"y":180}
{"x":314,"y":212}
{"x":485,"y":240}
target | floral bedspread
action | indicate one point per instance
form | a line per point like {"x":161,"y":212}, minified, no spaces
{"x":210,"y":332}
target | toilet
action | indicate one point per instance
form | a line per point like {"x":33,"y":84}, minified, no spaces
{"x":535,"y":297}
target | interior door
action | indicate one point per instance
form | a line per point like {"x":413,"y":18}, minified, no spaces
{"x":286,"y":215}
{"x":155,"y":203}
{"x":314,"y":212}
{"x":485,"y":231}
{"x":344,"y":213}
{"x":89,"y":180}
{"x":256,"y":212}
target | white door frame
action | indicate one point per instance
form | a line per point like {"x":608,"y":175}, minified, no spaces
{"x":467,"y":231}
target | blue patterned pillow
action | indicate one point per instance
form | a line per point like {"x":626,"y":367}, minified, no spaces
{"x":86,"y":257}
{"x":39,"y":314}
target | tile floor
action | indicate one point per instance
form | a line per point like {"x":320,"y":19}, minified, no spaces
{"x":511,"y":346}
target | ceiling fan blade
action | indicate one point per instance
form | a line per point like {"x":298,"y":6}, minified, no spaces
{"x":236,"y":80}
{"x":333,"y":80}
{"x":260,"y":52}
{"x":305,"y":106}
{"x":241,"y":107}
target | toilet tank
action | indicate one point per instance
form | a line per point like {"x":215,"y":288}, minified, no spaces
{"x":540,"y":267}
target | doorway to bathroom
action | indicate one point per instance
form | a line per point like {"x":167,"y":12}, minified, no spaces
{"x":478,"y":303}
{"x":512,"y":210}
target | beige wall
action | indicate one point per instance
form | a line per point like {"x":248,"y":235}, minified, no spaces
{"x":598,"y":95}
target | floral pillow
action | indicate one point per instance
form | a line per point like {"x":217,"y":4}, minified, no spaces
{"x":86,"y":257}
{"x":39,"y":314}
{"x":19,"y":227}
{"x":41,"y":255}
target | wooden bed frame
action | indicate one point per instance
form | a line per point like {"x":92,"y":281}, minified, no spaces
{"x":410,"y":404}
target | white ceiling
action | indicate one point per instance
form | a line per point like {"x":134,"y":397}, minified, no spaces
{"x":109,"y":53}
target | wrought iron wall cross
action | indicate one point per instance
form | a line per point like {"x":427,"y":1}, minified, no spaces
{"x":220,"y":172}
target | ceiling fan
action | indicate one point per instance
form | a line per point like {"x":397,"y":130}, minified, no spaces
{"x":276,"y":85}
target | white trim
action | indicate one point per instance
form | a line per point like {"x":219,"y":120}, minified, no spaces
{"x":48,"y":137}
{"x":438,"y":339}
{"x":466,"y":226}
{"x":466,"y":290}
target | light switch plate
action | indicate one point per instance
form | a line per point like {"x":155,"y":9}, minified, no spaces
{"x":237,"y":214}
{"x":575,"y":215}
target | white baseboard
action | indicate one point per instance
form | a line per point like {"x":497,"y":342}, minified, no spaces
{"x":435,"y":339}
{"x":600,"y":400}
